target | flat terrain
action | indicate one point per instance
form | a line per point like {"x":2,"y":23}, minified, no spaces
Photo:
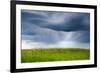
{"x":54,"y":54}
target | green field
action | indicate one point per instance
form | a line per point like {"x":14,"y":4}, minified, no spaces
{"x":54,"y":54}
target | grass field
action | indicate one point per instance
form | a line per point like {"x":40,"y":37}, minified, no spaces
{"x":54,"y":54}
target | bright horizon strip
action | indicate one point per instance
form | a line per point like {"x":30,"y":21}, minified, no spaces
{"x":66,"y":45}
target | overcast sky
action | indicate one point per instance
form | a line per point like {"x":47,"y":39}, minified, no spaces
{"x":43,"y":29}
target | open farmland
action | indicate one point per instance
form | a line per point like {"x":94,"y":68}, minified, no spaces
{"x":54,"y":54}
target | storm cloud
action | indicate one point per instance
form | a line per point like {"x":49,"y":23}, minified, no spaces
{"x":55,"y":29}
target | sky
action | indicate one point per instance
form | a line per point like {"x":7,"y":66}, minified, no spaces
{"x":54,"y":29}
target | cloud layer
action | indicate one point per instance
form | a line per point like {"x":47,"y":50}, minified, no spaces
{"x":55,"y":29}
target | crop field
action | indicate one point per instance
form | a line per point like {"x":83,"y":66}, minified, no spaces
{"x":54,"y":54}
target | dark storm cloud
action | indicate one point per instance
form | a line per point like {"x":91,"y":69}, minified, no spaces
{"x":51,"y":27}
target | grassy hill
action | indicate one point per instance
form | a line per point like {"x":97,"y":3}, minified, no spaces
{"x":54,"y":54}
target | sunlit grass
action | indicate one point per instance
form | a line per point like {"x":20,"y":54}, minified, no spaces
{"x":54,"y":54}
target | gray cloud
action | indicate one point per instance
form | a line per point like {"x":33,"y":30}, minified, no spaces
{"x":54,"y":27}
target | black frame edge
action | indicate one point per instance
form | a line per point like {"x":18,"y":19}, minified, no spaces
{"x":95,"y":36}
{"x":55,"y":68}
{"x":12,"y":37}
{"x":55,"y":4}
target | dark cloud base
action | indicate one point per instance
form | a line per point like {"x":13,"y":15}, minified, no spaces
{"x":51,"y":27}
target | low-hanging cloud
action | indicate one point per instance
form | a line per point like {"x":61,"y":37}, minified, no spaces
{"x":51,"y":28}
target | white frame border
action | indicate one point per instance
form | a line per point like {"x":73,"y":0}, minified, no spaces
{"x":20,"y":65}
